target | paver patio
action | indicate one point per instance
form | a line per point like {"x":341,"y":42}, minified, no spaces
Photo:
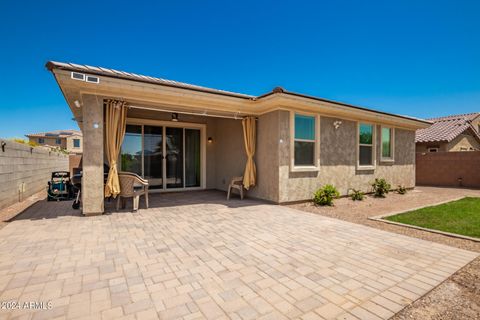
{"x":194,"y":255}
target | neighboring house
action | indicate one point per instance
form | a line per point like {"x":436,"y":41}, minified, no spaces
{"x":69,"y":140}
{"x":186,"y":137}
{"x":451,"y":133}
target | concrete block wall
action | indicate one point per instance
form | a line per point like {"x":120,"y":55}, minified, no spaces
{"x":448,"y":169}
{"x":25,"y":171}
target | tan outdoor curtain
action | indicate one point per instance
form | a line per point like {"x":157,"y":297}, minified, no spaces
{"x":115,"y":124}
{"x":249,"y":137}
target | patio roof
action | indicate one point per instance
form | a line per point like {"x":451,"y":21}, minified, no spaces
{"x":179,"y":94}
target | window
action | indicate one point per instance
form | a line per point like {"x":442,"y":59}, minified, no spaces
{"x":432,"y":149}
{"x":387,"y":144}
{"x":304,"y":140}
{"x":41,"y":140}
{"x":366,"y":149}
{"x":58,"y":141}
{"x":76,"y":143}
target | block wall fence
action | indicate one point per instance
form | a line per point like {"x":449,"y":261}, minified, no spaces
{"x":448,"y":169}
{"x":26,"y":170}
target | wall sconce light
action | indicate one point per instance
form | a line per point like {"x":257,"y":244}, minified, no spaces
{"x":95,"y":125}
{"x":337,"y":124}
{"x":77,"y":103}
{"x":3,"y":146}
{"x":210,"y":139}
{"x":175,"y":117}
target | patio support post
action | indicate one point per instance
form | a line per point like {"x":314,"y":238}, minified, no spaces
{"x":92,"y":162}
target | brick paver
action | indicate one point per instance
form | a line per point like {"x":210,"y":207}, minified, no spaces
{"x":196,"y":256}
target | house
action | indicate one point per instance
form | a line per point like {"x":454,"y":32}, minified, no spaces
{"x":186,"y":137}
{"x":69,"y":140}
{"x":452,"y":133}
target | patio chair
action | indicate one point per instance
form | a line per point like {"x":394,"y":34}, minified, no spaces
{"x":132,"y":186}
{"x":236,"y":183}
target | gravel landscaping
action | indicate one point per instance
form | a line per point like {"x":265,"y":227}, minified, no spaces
{"x":456,"y":298}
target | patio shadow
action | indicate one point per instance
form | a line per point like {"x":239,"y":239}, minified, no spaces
{"x":52,"y":209}
{"x":44,"y":209}
{"x":175,"y":199}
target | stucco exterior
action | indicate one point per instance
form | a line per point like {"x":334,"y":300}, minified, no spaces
{"x":276,"y":182}
{"x":338,"y":157}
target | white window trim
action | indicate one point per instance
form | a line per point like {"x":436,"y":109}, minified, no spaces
{"x":293,"y":167}
{"x":392,"y":144}
{"x":373,"y":145}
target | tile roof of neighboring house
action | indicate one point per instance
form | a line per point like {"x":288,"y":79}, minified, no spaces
{"x":137,"y":77}
{"x":447,"y":128}
{"x":56,"y":133}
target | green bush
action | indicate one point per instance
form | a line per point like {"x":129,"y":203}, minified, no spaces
{"x":401,"y":189}
{"x":380,"y":187}
{"x":325,"y":195}
{"x":357,"y":195}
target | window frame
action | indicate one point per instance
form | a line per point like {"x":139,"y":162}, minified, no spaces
{"x":41,"y":140}
{"x":58,"y":141}
{"x":373,"y":145}
{"x":392,"y":144}
{"x":316,"y":142}
{"x":73,"y":142}
{"x":432,"y":148}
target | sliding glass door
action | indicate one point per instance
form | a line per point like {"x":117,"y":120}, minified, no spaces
{"x":131,"y":155}
{"x":169,"y":157}
{"x":153,"y":156}
{"x":192,"y":158}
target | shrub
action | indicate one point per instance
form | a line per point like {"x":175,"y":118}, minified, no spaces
{"x":380,"y":187}
{"x":325,"y":195}
{"x":357,"y":195}
{"x":23,"y":141}
{"x":401,"y":189}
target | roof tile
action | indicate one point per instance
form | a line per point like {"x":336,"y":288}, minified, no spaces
{"x":446,"y":128}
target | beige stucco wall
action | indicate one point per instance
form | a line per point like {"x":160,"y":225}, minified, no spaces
{"x":423,"y":147}
{"x":69,"y":144}
{"x":464,"y":142}
{"x":267,"y":158}
{"x":275,"y":182}
{"x":338,"y":154}
{"x":52,"y":142}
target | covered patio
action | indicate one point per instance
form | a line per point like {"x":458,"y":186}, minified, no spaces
{"x":179,"y":137}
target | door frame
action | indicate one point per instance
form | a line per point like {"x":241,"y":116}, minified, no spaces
{"x":184,"y":125}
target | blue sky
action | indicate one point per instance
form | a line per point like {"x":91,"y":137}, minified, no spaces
{"x":420,"y":58}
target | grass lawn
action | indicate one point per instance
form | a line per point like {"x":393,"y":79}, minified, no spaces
{"x":460,"y":217}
